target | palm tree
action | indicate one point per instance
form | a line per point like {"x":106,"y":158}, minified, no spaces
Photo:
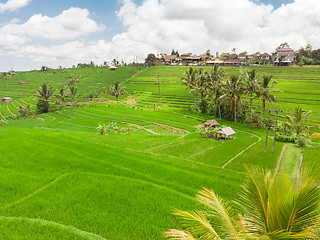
{"x":233,"y":90}
{"x":273,"y":206}
{"x":45,"y":92}
{"x":202,"y":87}
{"x":189,"y":80}
{"x":62,"y":95}
{"x":73,"y":93}
{"x":116,"y":91}
{"x":251,"y":86}
{"x":296,"y":122}
{"x":265,"y":93}
{"x":215,"y":82}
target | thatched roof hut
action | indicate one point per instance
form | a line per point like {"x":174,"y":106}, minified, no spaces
{"x":226,"y":132}
{"x":211,"y":123}
{"x":6,"y":99}
{"x":112,"y":68}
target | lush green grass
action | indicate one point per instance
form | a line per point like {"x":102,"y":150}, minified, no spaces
{"x":61,"y":179}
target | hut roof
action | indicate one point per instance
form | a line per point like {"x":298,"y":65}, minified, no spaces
{"x":7,"y":98}
{"x":212,"y":122}
{"x":112,"y":67}
{"x":226,"y":131}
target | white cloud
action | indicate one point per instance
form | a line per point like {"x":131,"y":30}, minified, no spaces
{"x":160,"y":25}
{"x":13,"y":5}
{"x":70,"y":24}
{"x":196,"y":26}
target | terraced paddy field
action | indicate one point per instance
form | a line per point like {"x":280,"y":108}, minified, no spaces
{"x":61,"y":179}
{"x":300,"y":86}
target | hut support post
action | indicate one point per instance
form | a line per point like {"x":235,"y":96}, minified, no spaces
{"x":265,"y":147}
{"x":274,"y":132}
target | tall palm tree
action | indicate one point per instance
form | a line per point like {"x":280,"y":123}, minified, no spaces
{"x":265,"y":92}
{"x":202,"y":87}
{"x":273,"y":206}
{"x":251,"y":86}
{"x":215,"y":83}
{"x":45,"y":92}
{"x":73,"y":93}
{"x":233,"y":90}
{"x":62,"y":95}
{"x":116,"y":90}
{"x":189,"y":80}
{"x":297,"y":121}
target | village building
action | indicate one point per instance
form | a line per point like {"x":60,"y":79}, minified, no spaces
{"x":232,"y":63}
{"x":265,"y":58}
{"x":170,"y":59}
{"x":284,"y":57}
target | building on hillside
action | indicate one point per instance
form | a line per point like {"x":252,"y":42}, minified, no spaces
{"x":232,"y":63}
{"x":284,"y":57}
{"x":265,"y":58}
{"x":170,"y":59}
{"x":214,"y":62}
{"x":234,"y":56}
{"x":186,"y":59}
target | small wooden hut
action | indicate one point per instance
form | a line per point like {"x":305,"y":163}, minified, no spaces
{"x":226,"y":132}
{"x":211,"y":123}
{"x":6,"y":99}
{"x":113,"y":68}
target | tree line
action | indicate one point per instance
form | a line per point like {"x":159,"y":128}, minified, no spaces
{"x":231,"y":99}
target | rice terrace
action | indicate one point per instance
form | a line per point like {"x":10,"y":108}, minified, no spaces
{"x":105,"y":166}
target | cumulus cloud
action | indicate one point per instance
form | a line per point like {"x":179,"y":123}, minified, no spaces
{"x":68,"y":25}
{"x":13,"y":5}
{"x":161,"y":25}
{"x":196,"y":26}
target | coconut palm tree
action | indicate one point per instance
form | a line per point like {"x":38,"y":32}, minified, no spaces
{"x":233,"y":90}
{"x":265,"y":94}
{"x":297,"y":122}
{"x":73,"y":93}
{"x":45,"y":92}
{"x":189,"y":80}
{"x":251,"y":86}
{"x":202,"y":87}
{"x":62,"y":95}
{"x":116,"y":91}
{"x":215,"y":83}
{"x":272,"y":206}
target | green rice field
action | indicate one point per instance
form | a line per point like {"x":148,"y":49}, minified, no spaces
{"x":61,"y":179}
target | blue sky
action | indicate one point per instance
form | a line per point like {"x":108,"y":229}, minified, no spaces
{"x":65,"y":32}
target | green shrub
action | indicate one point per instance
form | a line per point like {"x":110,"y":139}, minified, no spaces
{"x":285,"y":138}
{"x":43,"y":106}
{"x":301,"y":142}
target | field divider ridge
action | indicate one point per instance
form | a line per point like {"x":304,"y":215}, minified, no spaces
{"x":251,"y":145}
{"x":68,"y":228}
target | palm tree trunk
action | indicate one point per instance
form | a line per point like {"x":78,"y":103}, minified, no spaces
{"x":261,"y":117}
{"x":251,"y":107}
{"x":220,"y":111}
{"x":195,"y":102}
{"x":117,"y":101}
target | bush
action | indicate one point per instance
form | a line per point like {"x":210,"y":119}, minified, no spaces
{"x":285,"y":138}
{"x":43,"y":106}
{"x":301,"y":142}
